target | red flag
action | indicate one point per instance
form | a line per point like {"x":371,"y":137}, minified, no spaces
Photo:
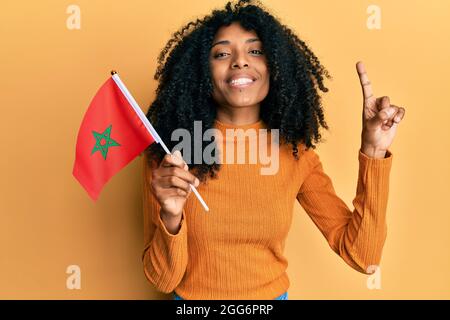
{"x":110,"y":136}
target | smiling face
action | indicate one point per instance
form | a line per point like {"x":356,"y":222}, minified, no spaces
{"x":238,"y":68}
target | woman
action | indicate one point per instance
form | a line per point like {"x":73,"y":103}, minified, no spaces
{"x":240,"y":68}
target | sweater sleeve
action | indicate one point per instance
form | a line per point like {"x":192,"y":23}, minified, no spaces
{"x":357,"y":236}
{"x":165,"y":255}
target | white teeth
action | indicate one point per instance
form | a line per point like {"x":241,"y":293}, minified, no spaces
{"x":241,"y":81}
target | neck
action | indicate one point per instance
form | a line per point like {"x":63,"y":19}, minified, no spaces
{"x":238,"y":116}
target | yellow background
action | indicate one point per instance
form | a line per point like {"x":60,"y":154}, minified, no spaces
{"x":49,"y":74}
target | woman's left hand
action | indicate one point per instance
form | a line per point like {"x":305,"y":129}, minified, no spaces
{"x":380,"y":119}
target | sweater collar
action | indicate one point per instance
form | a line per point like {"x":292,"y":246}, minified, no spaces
{"x":223,"y":126}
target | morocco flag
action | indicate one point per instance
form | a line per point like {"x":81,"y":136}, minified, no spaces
{"x":111,"y":135}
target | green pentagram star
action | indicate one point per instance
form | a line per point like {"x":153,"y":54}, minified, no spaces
{"x":105,"y":136}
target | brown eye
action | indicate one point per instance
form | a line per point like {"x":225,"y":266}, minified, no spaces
{"x":219,"y":55}
{"x":259,"y":51}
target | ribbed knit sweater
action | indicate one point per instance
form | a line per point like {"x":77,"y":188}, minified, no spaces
{"x":235,"y":251}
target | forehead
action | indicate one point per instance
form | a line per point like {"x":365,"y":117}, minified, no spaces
{"x":234,"y":31}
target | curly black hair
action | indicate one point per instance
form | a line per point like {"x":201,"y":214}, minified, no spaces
{"x":184,"y":92}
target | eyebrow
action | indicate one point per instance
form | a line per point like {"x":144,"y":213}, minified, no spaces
{"x":228,"y":42}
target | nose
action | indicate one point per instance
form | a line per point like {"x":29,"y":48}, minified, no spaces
{"x":239,"y":61}
{"x":235,"y":65}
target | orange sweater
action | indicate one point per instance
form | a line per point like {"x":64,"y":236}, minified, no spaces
{"x":235,"y":251}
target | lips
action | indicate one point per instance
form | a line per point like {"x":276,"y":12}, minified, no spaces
{"x":241,"y":80}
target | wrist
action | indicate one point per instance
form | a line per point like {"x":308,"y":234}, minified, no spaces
{"x":171,"y":222}
{"x":373,"y":152}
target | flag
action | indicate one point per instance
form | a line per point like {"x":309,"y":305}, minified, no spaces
{"x":111,"y":134}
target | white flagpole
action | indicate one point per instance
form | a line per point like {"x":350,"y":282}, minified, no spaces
{"x":149,"y":126}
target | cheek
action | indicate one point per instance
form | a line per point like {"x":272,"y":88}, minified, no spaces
{"x":264,"y":89}
{"x":216,"y":72}
{"x":217,"y":86}
{"x":264,"y":70}
{"x":265,"y":78}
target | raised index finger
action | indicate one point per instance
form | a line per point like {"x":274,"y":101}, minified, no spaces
{"x":364,"y":80}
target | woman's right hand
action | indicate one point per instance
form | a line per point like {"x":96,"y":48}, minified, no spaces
{"x":170,"y":184}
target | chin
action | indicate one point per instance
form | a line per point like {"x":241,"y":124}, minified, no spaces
{"x":242,"y":102}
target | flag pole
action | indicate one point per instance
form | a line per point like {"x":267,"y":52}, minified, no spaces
{"x":149,"y":126}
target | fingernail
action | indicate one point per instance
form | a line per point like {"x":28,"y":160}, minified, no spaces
{"x":197,"y":182}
